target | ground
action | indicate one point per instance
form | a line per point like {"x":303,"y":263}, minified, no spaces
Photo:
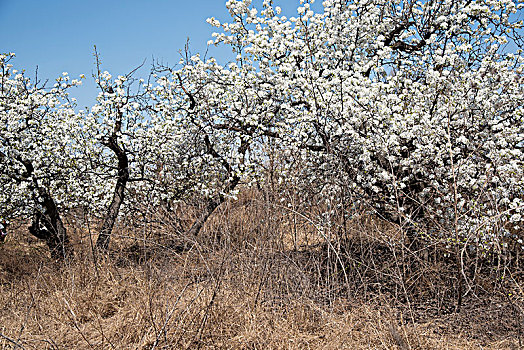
{"x":241,"y":285}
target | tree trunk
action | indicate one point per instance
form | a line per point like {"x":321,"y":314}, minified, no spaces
{"x":212,"y":204}
{"x":199,"y":223}
{"x":118,"y":195}
{"x":48,"y":226}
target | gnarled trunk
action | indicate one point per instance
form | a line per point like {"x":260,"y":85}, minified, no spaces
{"x":48,"y":226}
{"x":211,"y":206}
{"x":213,"y":203}
{"x":118,"y":195}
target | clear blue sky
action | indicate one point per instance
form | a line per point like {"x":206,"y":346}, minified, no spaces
{"x":58,"y":35}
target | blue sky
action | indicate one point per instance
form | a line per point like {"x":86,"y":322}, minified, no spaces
{"x":58,"y":35}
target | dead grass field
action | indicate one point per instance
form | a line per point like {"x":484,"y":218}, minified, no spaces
{"x":255,"y":279}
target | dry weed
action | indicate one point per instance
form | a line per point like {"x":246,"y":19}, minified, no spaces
{"x":259,"y":277}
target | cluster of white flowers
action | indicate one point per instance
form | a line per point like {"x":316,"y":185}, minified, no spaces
{"x":41,"y":140}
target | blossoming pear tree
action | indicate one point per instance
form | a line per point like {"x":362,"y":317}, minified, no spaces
{"x":41,"y":138}
{"x":414,"y":106}
{"x":224,"y":113}
{"x":121,"y":114}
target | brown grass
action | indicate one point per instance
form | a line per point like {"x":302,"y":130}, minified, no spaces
{"x":241,"y":285}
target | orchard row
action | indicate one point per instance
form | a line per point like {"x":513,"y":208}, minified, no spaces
{"x":412,"y":109}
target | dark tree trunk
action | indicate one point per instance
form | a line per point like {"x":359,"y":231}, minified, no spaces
{"x":211,"y":206}
{"x":201,"y":220}
{"x":118,"y":195}
{"x":48,"y":226}
{"x":215,"y":202}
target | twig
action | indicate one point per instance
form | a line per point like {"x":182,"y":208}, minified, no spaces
{"x":17,"y":345}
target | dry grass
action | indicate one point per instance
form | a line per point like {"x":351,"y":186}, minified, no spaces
{"x":240,"y":286}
